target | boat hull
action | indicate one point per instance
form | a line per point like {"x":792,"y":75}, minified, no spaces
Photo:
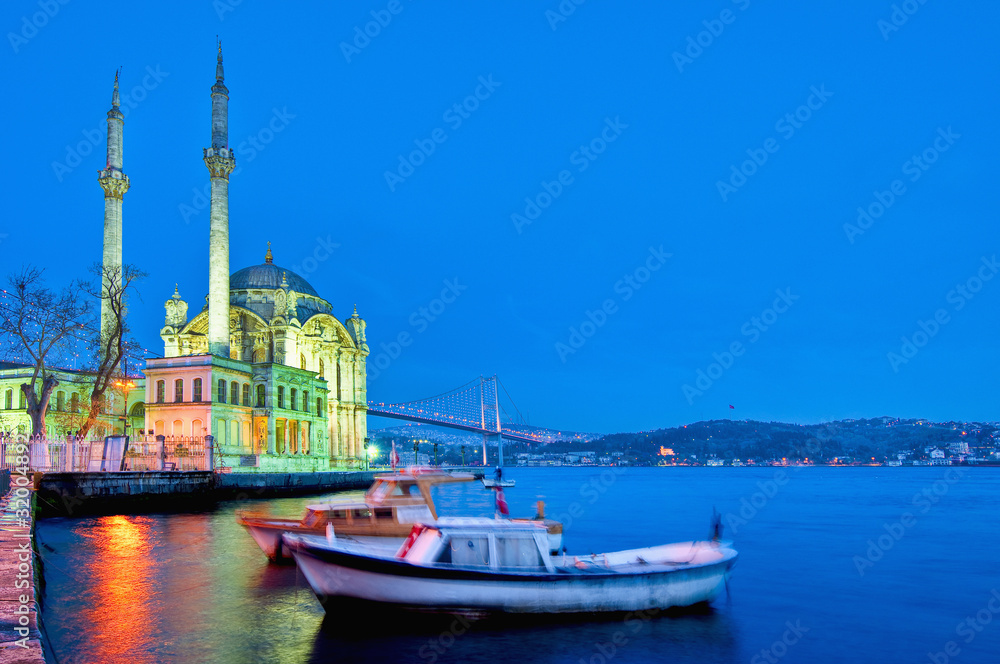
{"x":340,"y":579}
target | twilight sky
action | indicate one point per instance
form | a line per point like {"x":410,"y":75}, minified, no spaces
{"x":636,"y":214}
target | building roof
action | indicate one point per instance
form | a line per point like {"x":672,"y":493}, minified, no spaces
{"x":269,"y":276}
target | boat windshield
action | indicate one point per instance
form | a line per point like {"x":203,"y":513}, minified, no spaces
{"x":518,"y":552}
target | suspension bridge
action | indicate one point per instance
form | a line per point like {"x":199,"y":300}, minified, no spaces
{"x":475,"y":407}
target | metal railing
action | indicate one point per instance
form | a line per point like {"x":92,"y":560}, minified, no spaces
{"x":144,"y":453}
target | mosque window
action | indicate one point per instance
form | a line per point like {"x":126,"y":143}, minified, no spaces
{"x":260,"y":396}
{"x":8,"y":399}
{"x":281,"y":396}
{"x":161,"y":389}
{"x":179,"y":390}
{"x":61,"y":401}
{"x":319,"y":406}
{"x":305,"y":400}
{"x":196,"y":389}
{"x":246,"y":394}
{"x":74,"y":402}
{"x":234,"y":393}
{"x":322,"y":369}
{"x":259,"y":356}
{"x":292,"y":401}
{"x":221,"y":392}
{"x":22,"y":402}
{"x":338,"y":380}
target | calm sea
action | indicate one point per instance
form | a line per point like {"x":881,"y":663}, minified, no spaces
{"x":836,"y":565}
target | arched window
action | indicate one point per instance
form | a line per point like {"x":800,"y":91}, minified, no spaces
{"x":196,"y":428}
{"x":281,"y":396}
{"x":246,"y":394}
{"x":60,"y":401}
{"x":178,"y":428}
{"x":234,"y":393}
{"x":221,"y":391}
{"x":305,"y":400}
{"x":8,"y":399}
{"x":259,"y":356}
{"x":338,"y":380}
{"x":196,"y":389}
{"x":161,"y":388}
{"x":322,"y":369}
{"x":302,"y":361}
{"x":74,"y":402}
{"x":319,"y":406}
{"x":260,"y":396}
{"x":22,"y":401}
{"x":178,"y":393}
{"x":292,"y":403}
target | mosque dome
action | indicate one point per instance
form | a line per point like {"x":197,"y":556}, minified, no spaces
{"x":267,"y":275}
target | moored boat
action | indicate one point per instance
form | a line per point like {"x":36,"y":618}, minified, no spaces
{"x":486,"y":566}
{"x":383,"y":516}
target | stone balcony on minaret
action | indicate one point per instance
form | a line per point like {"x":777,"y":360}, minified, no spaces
{"x":220,"y":162}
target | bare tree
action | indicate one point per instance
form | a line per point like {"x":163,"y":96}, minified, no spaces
{"x":41,"y":325}
{"x":112,"y":287}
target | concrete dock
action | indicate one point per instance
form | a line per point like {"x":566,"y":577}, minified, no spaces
{"x":77,"y":494}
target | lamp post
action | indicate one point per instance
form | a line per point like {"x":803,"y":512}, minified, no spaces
{"x":416,"y":448}
{"x":124,"y":385}
{"x":463,"y":455}
{"x":435,"y":453}
{"x":367,"y":457}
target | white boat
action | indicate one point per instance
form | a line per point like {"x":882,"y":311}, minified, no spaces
{"x":484,"y":566}
{"x":492,"y":483}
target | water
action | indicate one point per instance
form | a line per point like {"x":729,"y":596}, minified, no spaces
{"x":195,"y":588}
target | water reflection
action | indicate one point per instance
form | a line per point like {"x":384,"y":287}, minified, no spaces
{"x":700,"y":635}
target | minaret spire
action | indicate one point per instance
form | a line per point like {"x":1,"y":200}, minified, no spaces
{"x":220,"y":162}
{"x":115,"y":183}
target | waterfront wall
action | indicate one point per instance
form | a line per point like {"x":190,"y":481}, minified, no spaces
{"x":77,"y":494}
{"x":20,"y":639}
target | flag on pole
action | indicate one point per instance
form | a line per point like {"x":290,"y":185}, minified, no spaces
{"x":394,"y":456}
{"x":502,"y":508}
{"x":732,"y":406}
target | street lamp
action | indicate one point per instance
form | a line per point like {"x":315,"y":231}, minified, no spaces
{"x":124,"y":386}
{"x":372,"y":453}
{"x":463,"y":455}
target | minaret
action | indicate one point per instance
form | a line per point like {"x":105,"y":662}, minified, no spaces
{"x":115,"y":183}
{"x":220,"y":162}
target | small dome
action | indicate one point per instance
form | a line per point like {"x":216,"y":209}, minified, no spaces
{"x":268,"y":276}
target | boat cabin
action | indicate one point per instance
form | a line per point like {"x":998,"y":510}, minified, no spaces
{"x":479,"y":543}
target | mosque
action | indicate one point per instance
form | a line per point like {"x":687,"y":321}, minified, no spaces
{"x":265,"y":367}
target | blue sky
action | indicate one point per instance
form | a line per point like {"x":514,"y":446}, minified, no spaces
{"x":644,"y":111}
